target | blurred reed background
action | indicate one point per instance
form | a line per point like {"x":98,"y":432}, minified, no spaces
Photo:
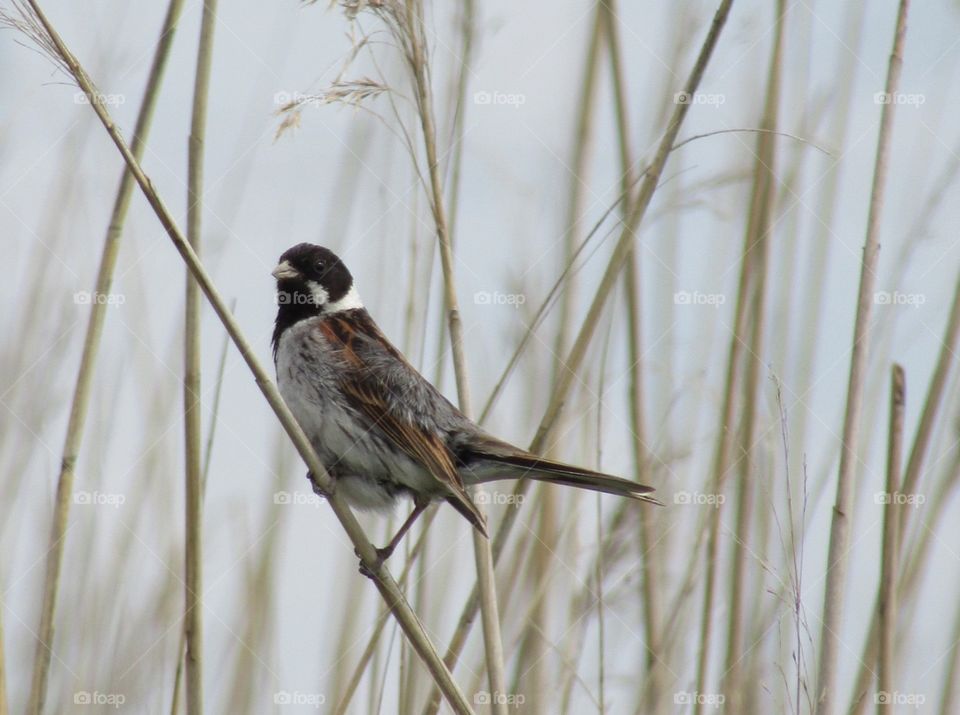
{"x":713,"y":360}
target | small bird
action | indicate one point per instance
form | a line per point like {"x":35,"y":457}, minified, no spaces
{"x":380,"y":429}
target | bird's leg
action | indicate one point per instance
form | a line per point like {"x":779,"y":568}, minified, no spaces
{"x":419,"y":506}
{"x":317,"y":489}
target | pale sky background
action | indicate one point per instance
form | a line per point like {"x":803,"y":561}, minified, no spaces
{"x":263,"y":196}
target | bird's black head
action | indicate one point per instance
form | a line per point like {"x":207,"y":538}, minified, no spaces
{"x":311,"y":280}
{"x":313,"y":275}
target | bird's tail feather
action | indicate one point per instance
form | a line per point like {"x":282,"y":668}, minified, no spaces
{"x":521,"y":465}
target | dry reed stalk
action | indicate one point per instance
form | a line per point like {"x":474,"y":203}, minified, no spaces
{"x":837,"y":556}
{"x":721,"y":460}
{"x":625,"y":243}
{"x":649,"y":594}
{"x":952,"y":671}
{"x":3,"y":673}
{"x":207,"y":454}
{"x":80,"y":403}
{"x":407,"y":673}
{"x":260,"y":589}
{"x":757,"y":245}
{"x":192,"y":409}
{"x":530,"y":659}
{"x":582,"y":135}
{"x":344,"y":699}
{"x":45,"y":287}
{"x":911,"y":477}
{"x":32,"y":405}
{"x":417,"y":59}
{"x":913,"y":565}
{"x":380,"y":576}
{"x":531,"y":566}
{"x":533,"y":644}
{"x":459,"y":102}
{"x":887,"y":603}
{"x":584,"y":337}
{"x":599,"y":564}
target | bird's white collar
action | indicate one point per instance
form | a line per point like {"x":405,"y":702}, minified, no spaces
{"x":350,"y":301}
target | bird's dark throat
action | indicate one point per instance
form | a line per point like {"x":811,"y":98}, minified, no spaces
{"x":295,"y":305}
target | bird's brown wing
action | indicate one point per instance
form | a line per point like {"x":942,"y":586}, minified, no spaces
{"x":378,"y":394}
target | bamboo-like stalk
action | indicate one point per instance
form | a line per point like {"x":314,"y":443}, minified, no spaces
{"x":827,"y":201}
{"x":530,"y":662}
{"x":91,"y":343}
{"x":911,"y":476}
{"x":380,"y":576}
{"x":406,"y":673}
{"x":913,"y":564}
{"x":455,"y":164}
{"x":481,"y":545}
{"x":933,"y":402}
{"x":421,"y":80}
{"x":625,"y":243}
{"x":192,"y":409}
{"x":837,"y":556}
{"x":207,"y":454}
{"x":584,"y":336}
{"x":952,"y":671}
{"x":260,"y":589}
{"x":721,"y":458}
{"x":887,"y":605}
{"x":533,"y":645}
{"x":3,"y":673}
{"x":599,"y":565}
{"x":344,"y":700}
{"x":601,"y":636}
{"x":757,"y":250}
{"x":467,"y":32}
{"x":650,"y":594}
{"x":582,"y":134}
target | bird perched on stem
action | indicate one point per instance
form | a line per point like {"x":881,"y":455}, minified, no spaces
{"x":380,"y":429}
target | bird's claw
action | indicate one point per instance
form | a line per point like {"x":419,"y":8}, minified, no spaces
{"x":317,"y":489}
{"x":382,"y":555}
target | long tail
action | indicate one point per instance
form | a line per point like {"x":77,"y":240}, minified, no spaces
{"x":502,"y":461}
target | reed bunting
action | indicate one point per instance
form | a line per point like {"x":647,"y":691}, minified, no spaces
{"x":380,"y":429}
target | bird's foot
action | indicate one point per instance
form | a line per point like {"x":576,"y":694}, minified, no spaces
{"x":382,"y":555}
{"x":317,"y":489}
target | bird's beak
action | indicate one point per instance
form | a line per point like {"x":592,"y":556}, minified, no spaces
{"x":284,"y":270}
